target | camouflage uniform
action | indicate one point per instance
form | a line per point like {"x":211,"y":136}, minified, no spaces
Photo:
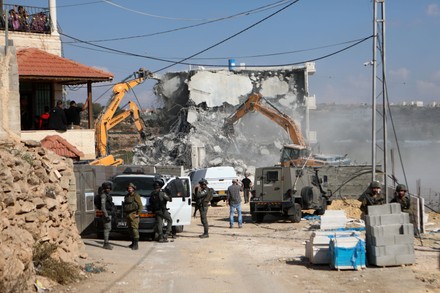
{"x":133,"y":207}
{"x":370,"y":197}
{"x":402,"y":199}
{"x":107,"y":210}
{"x":162,"y":214}
{"x":204,"y":196}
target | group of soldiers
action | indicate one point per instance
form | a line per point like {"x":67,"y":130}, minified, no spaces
{"x":203,"y":196}
{"x":158,"y":204}
{"x":373,"y":196}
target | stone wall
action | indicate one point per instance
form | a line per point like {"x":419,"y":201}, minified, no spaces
{"x":34,"y":208}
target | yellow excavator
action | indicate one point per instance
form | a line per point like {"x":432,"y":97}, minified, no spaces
{"x":297,"y":154}
{"x":106,"y":121}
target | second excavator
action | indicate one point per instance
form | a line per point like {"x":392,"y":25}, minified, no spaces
{"x":297,"y":154}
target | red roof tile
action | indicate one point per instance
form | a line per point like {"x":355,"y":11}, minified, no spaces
{"x":37,"y":64}
{"x":61,"y":147}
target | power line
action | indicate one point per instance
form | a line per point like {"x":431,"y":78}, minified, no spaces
{"x":262,"y":8}
{"x":227,"y":57}
{"x":79,"y":4}
{"x":115,"y":51}
{"x":233,"y":36}
{"x":245,"y":13}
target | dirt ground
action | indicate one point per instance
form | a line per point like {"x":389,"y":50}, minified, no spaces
{"x":266,"y":257}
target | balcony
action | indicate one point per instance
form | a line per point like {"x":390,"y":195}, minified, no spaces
{"x":26,"y":19}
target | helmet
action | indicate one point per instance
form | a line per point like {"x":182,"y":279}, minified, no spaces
{"x":106,"y":185}
{"x":203,"y":181}
{"x":401,"y":187}
{"x":131,"y":185}
{"x":158,"y":183}
{"x":375,"y":184}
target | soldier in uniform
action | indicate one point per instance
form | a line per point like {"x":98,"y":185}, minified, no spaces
{"x":204,"y":196}
{"x":132,"y":208}
{"x":371,"y":196}
{"x":158,"y":204}
{"x":107,"y":209}
{"x":401,"y":197}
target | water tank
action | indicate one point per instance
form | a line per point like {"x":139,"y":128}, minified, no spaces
{"x":231,"y":64}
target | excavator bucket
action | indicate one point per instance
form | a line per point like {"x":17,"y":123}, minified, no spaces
{"x":107,"y":161}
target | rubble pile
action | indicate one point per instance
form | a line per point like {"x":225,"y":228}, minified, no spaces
{"x":256,"y":141}
{"x":35,"y":208}
{"x":196,"y":104}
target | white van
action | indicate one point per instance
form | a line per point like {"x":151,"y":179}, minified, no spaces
{"x":219,"y":179}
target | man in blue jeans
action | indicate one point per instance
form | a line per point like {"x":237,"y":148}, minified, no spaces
{"x":234,"y":201}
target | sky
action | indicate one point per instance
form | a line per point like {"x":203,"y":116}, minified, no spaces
{"x":122,"y":36}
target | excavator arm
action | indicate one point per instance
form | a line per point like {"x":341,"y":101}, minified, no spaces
{"x":296,"y":154}
{"x":253,"y":103}
{"x":106,"y":120}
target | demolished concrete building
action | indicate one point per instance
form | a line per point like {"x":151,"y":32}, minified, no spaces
{"x":196,"y":102}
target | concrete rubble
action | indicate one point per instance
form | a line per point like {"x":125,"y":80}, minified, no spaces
{"x":196,"y":105}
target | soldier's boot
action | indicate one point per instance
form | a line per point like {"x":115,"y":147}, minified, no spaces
{"x":107,"y":246}
{"x":135,"y":244}
{"x":131,"y":245}
{"x":204,"y":235}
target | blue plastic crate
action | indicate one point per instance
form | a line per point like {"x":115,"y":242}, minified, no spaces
{"x":347,"y":253}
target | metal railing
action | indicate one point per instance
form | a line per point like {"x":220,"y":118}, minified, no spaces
{"x":25,"y":19}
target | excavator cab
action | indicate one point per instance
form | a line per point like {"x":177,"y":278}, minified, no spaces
{"x":293,"y":153}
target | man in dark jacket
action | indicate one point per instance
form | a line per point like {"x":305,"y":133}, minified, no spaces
{"x":73,"y":115}
{"x":57,"y":119}
{"x":158,"y":204}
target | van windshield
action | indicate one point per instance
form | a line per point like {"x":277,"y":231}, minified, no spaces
{"x":144,"y":185}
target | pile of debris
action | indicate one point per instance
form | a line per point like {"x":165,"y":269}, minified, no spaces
{"x":36,"y":208}
{"x":254,"y":143}
{"x":195,"y":105}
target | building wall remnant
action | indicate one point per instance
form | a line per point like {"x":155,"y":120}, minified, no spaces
{"x":9,"y":93}
{"x":196,"y":103}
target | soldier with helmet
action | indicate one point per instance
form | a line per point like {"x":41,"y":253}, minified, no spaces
{"x":133,"y":207}
{"x":371,"y":196}
{"x":204,"y":197}
{"x":158,"y":205}
{"x":107,"y":207}
{"x":400,"y":196}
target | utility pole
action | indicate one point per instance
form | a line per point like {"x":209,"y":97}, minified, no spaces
{"x":379,"y":93}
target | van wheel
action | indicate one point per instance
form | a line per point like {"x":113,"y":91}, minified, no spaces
{"x":214,"y":203}
{"x":179,"y":229}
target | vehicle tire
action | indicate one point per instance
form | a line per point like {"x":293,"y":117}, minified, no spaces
{"x":179,"y":229}
{"x":307,"y":196}
{"x":214,"y":202}
{"x":296,"y":217}
{"x":321,"y":211}
{"x":257,"y":217}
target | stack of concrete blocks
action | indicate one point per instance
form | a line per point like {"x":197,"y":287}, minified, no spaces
{"x":333,"y":219}
{"x":347,"y":252}
{"x":390,"y":236}
{"x":317,"y":248}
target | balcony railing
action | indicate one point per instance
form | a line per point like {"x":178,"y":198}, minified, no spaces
{"x":25,"y":19}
